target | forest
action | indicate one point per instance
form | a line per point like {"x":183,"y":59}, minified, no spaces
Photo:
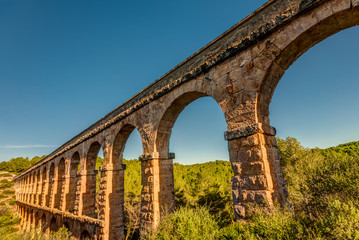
{"x":323,"y":200}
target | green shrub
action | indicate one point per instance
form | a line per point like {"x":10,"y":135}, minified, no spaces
{"x":6,"y":184}
{"x":340,"y":222}
{"x":187,"y":223}
{"x":7,"y":192}
{"x":37,"y":234}
{"x":6,"y":175}
{"x":7,"y":223}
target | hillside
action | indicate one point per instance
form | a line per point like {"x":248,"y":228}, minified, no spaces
{"x":8,"y":222}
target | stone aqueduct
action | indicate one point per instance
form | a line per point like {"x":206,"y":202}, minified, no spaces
{"x":240,"y":70}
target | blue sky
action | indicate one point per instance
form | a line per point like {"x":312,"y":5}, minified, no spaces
{"x":66,"y":64}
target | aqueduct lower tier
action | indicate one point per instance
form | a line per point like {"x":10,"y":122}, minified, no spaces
{"x":240,"y":70}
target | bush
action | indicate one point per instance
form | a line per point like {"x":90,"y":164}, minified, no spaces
{"x":8,"y":192}
{"x":275,"y":225}
{"x":37,"y":234}
{"x":187,"y":223}
{"x":6,"y":175}
{"x":7,"y":223}
{"x":6,"y":184}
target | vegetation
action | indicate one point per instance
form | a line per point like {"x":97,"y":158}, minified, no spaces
{"x":9,"y":223}
{"x":323,"y":199}
{"x":19,"y":164}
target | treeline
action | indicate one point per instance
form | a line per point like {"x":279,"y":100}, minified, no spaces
{"x":19,"y":164}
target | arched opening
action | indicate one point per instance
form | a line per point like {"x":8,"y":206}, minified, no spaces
{"x":202,"y":171}
{"x":51,"y":185}
{"x":60,"y":183}
{"x":304,"y":39}
{"x":67,"y":226}
{"x":126,"y":151}
{"x":43,"y":195}
{"x":296,"y":48}
{"x":31,"y":217}
{"x":43,"y":222}
{"x":313,"y":96}
{"x":53,"y":224}
{"x":91,"y":197}
{"x":85,"y":235}
{"x":74,"y":179}
{"x":316,"y":91}
{"x":37,"y":219}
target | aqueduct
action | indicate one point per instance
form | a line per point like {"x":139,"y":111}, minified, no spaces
{"x":240,"y":70}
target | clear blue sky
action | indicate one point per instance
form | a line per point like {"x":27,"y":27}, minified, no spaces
{"x":65,"y":64}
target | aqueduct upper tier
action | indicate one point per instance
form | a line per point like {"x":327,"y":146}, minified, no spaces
{"x":240,"y":70}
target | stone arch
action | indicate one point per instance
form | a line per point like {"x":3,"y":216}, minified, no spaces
{"x":300,"y":38}
{"x":60,"y":183}
{"x":43,"y":222}
{"x":116,"y":197}
{"x":91,"y":156}
{"x":31,"y":217}
{"x":67,"y":226}
{"x":169,"y":118}
{"x":119,"y":143}
{"x":284,"y":47}
{"x":53,"y":224}
{"x":37,"y":218}
{"x":74,"y":178}
{"x":85,"y":235}
{"x":162,"y":142}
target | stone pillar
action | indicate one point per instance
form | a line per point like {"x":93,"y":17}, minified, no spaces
{"x":150,"y":213}
{"x":66,"y":192}
{"x":45,"y":189}
{"x":111,"y":200}
{"x":166,"y":184}
{"x":258,"y":175}
{"x":88,"y":184}
{"x":26,"y":189}
{"x":34,"y":189}
{"x":78,"y":197}
{"x":157,"y":196}
{"x":59,"y":192}
{"x":38,"y":190}
{"x":30,"y":190}
{"x":53,"y":184}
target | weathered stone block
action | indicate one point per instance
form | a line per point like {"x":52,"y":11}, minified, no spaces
{"x":323,"y":11}
{"x":340,"y":5}
{"x":308,"y":20}
{"x":247,"y":168}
